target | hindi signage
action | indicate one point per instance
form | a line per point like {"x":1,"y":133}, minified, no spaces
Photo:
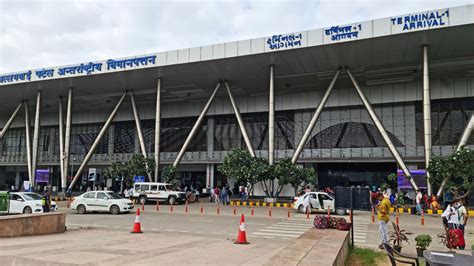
{"x":342,"y":33}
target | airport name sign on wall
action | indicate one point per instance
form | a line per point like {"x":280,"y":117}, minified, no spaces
{"x":420,"y":21}
{"x":342,"y":33}
{"x":277,"y":42}
{"x":110,"y":65}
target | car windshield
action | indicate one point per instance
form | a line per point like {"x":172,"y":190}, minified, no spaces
{"x":114,"y":195}
{"x":170,"y":187}
{"x":32,"y":196}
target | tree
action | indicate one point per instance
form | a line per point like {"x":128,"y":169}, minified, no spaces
{"x":139,"y":165}
{"x":288,"y":173}
{"x":243,"y":168}
{"x":457,"y":169}
{"x":169,"y":174}
{"x":117,"y":169}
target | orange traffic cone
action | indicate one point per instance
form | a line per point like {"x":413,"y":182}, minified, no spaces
{"x":136,"y":226}
{"x":242,"y":237}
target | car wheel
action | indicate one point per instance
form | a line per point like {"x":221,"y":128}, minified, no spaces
{"x":27,"y":210}
{"x":81,"y":209}
{"x":301,"y":208}
{"x":340,"y":211}
{"x":172,"y":200}
{"x":142,"y":200}
{"x":114,"y":210}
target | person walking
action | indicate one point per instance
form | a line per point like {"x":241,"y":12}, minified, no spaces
{"x":46,"y":200}
{"x":462,"y":216}
{"x":216,"y":194}
{"x":224,"y":195}
{"x":418,"y":200}
{"x":383,"y":209}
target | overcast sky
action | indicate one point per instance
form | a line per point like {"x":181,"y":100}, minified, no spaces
{"x":43,"y":33}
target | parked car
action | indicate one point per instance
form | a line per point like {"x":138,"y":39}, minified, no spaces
{"x":163,"y":192}
{"x":320,"y":201}
{"x":28,"y":202}
{"x":101,"y":201}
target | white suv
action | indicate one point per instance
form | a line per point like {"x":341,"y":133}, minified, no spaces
{"x":150,"y":191}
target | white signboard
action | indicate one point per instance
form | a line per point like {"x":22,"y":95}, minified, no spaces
{"x":420,"y":21}
{"x":26,"y":185}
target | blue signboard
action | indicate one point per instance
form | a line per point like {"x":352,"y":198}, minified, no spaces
{"x":138,"y":178}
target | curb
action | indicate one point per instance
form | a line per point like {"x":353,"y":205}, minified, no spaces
{"x":430,"y":212}
{"x":261,"y":204}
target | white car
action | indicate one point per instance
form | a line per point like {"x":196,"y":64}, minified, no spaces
{"x":101,"y":201}
{"x":28,"y":202}
{"x":320,"y":201}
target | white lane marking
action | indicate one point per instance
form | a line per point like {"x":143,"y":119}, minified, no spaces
{"x":205,"y":221}
{"x":273,"y":234}
{"x":287,"y":228}
{"x":292,"y":225}
{"x":282,"y":231}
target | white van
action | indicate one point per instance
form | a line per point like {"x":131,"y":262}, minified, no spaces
{"x":163,"y":192}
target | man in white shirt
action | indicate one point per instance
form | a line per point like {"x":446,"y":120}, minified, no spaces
{"x":451,"y":214}
{"x":418,"y":198}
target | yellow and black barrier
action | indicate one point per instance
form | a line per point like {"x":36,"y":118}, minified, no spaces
{"x":261,"y":204}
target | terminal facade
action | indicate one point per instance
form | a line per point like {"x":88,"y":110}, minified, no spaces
{"x":356,"y":102}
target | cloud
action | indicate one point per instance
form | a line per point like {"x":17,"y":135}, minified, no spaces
{"x":43,"y":33}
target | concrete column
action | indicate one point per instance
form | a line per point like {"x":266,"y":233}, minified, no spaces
{"x":315,"y":117}
{"x":196,"y":126}
{"x":61,"y":146}
{"x":34,"y":156}
{"x":10,"y":120}
{"x":111,"y":141}
{"x":382,"y":130}
{"x":426,"y":114}
{"x":210,"y":138}
{"x":271,"y":120}
{"x":28,"y":144}
{"x":139,"y":132}
{"x":67,"y":136}
{"x":157,"y":129}
{"x":97,"y":141}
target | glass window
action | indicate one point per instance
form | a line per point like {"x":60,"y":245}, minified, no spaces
{"x":101,"y":195}
{"x":114,"y":195}
{"x":145,"y":187}
{"x":161,"y":188}
{"x":90,"y":195}
{"x":137,"y":187}
{"x":154,"y":188}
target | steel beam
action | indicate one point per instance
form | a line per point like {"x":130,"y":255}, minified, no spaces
{"x":97,"y":141}
{"x":157,"y":129}
{"x":271,"y":119}
{"x":67,"y":136}
{"x":315,"y":117}
{"x":382,"y":130}
{"x":426,"y":114}
{"x":464,"y":138}
{"x":34,"y":157}
{"x":61,"y":145}
{"x":140,"y":133}
{"x":10,"y":121}
{"x":28,"y":143}
{"x":240,"y":121}
{"x":196,"y":126}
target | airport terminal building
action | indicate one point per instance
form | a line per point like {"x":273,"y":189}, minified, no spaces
{"x":355,"y":101}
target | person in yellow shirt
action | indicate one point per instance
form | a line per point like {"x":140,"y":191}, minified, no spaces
{"x":383,"y":209}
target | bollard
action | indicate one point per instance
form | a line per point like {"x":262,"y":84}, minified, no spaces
{"x":422,"y":217}
{"x":396,"y":217}
{"x":202,"y":207}
{"x":186,"y":207}
{"x":251,"y":211}
{"x":171,"y":208}
{"x":218,"y":211}
{"x":270,"y":211}
{"x":307,"y":212}
{"x":329,"y":212}
{"x":143,"y":207}
{"x":157,"y":205}
{"x":373,"y":215}
{"x":289,"y":214}
{"x":350,"y":216}
{"x":235,"y":211}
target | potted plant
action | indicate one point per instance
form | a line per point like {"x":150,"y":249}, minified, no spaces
{"x":397,"y":237}
{"x":422,"y":242}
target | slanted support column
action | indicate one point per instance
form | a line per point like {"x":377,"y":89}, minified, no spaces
{"x":382,"y":130}
{"x":240,"y":121}
{"x":157,"y":129}
{"x":315,"y":117}
{"x":67,"y":136}
{"x":426,"y":114}
{"x":61,"y":146}
{"x":464,"y":138}
{"x":196,"y":126}
{"x":10,"y":121}
{"x":271,"y":119}
{"x":28,"y":143}
{"x":34,"y":156}
{"x":97,"y":141}
{"x":139,"y":131}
